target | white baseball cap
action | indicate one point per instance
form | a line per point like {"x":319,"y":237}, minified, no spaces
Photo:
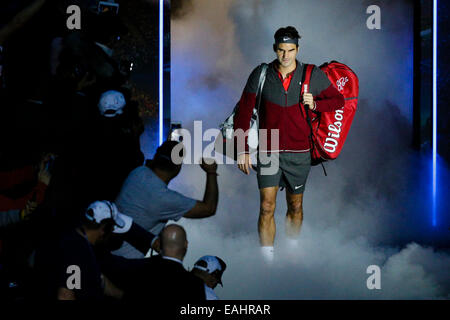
{"x":101,"y":210}
{"x":211,"y":264}
{"x":111,"y":103}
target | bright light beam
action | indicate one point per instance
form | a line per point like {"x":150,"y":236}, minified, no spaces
{"x":435,"y":3}
{"x":161,"y":69}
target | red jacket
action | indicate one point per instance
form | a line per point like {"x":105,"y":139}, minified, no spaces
{"x":280,"y":109}
{"x":14,"y":178}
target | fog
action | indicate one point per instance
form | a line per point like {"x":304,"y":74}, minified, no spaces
{"x":371,"y":209}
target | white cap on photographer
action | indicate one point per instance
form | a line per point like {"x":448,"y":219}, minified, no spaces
{"x":111,"y":103}
{"x":101,"y":210}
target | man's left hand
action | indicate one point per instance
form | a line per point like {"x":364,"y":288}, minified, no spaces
{"x":309,"y":100}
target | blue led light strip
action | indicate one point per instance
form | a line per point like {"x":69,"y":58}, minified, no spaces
{"x":435,"y":3}
{"x":161,"y":66}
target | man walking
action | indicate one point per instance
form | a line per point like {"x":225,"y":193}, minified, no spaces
{"x":280,"y":110}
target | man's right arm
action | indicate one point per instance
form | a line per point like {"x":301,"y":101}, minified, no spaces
{"x":246,"y":104}
{"x":243,"y":115}
{"x":207,"y":207}
{"x":139,"y":238}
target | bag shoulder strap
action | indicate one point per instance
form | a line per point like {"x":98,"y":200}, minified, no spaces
{"x":306,"y":76}
{"x":306,"y":79}
{"x":262,"y":79}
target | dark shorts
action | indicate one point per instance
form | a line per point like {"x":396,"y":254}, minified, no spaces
{"x":286,"y":169}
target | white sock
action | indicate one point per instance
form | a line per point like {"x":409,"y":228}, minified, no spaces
{"x":268,"y":253}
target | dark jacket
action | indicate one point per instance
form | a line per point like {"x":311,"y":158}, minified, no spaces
{"x":280,"y":109}
{"x":165,"y":280}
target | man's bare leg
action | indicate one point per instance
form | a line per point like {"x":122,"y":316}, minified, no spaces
{"x":294,"y":215}
{"x":266,"y":222}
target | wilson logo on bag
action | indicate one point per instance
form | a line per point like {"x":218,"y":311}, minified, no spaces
{"x":330,"y":129}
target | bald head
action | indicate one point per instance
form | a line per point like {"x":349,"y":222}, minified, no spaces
{"x":173,"y":241}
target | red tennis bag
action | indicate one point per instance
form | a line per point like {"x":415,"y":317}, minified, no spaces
{"x":329,"y":129}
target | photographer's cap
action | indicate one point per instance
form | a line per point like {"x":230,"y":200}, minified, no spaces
{"x":101,"y":210}
{"x":111,"y":103}
{"x":212,"y":264}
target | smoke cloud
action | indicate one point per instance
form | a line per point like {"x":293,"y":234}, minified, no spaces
{"x":371,"y":209}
